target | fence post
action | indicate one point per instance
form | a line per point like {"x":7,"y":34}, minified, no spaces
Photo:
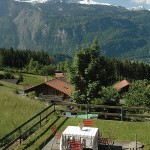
{"x":20,"y":135}
{"x":87,"y":110}
{"x":40,"y":121}
{"x":121,"y":114}
{"x":54,"y":109}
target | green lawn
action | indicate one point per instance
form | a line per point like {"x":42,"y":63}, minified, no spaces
{"x":30,"y":79}
{"x":125,"y":131}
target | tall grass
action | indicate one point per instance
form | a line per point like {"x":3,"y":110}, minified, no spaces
{"x":15,"y":109}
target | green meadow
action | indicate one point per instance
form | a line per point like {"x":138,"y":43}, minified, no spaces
{"x":30,"y":79}
{"x":15,"y":109}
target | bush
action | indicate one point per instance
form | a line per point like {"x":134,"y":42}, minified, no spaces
{"x":20,"y":77}
{"x":8,"y":75}
{"x":31,"y":95}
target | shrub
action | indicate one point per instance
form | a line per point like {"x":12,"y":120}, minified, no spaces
{"x":8,"y":75}
{"x":31,"y":95}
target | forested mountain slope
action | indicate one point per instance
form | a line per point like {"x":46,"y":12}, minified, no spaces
{"x":59,"y":27}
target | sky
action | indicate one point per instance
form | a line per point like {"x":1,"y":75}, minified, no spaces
{"x":128,"y":3}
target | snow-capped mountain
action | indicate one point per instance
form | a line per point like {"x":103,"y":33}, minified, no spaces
{"x":88,"y":2}
{"x":92,"y":2}
{"x":33,"y":1}
{"x":139,"y":8}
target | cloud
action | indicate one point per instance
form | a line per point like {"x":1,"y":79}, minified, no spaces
{"x":141,"y":1}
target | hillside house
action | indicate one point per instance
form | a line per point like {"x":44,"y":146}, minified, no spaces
{"x":122,"y":86}
{"x":54,"y":88}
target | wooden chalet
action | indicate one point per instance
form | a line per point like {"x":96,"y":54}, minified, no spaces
{"x":56,"y":89}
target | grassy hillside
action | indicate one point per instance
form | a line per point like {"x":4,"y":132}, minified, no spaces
{"x":16,"y":109}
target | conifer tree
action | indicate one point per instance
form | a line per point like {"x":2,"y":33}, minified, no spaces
{"x":90,"y":71}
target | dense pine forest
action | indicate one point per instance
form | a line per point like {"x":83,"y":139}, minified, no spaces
{"x":20,"y":58}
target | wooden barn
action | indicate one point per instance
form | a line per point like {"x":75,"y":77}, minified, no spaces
{"x":54,"y":88}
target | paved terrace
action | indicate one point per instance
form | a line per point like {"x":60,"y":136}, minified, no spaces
{"x":51,"y":145}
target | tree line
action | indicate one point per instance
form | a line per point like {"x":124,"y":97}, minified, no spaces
{"x":131,"y":70}
{"x":20,"y":58}
{"x":26,"y":61}
{"x":34,"y":61}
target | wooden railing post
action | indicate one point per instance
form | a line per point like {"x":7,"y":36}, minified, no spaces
{"x":121,"y":114}
{"x":54,"y":109}
{"x":87,"y":109}
{"x":20,"y":136}
{"x":40,"y":121}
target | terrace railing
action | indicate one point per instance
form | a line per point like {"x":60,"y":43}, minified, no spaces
{"x":26,"y":129}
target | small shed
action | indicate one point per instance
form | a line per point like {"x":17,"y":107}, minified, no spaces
{"x":122,"y":86}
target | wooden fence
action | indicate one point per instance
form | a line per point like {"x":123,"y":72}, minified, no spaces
{"x":31,"y":126}
{"x":124,"y":113}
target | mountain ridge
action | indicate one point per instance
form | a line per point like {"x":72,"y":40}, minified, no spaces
{"x":87,"y":2}
{"x":70,"y":1}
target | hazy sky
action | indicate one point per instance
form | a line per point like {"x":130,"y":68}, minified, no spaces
{"x":128,"y":3}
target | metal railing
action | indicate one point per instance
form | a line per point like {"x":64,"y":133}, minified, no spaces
{"x":20,"y":134}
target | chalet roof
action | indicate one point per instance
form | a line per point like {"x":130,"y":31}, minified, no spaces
{"x":57,"y":84}
{"x":121,"y":84}
{"x":61,"y":86}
